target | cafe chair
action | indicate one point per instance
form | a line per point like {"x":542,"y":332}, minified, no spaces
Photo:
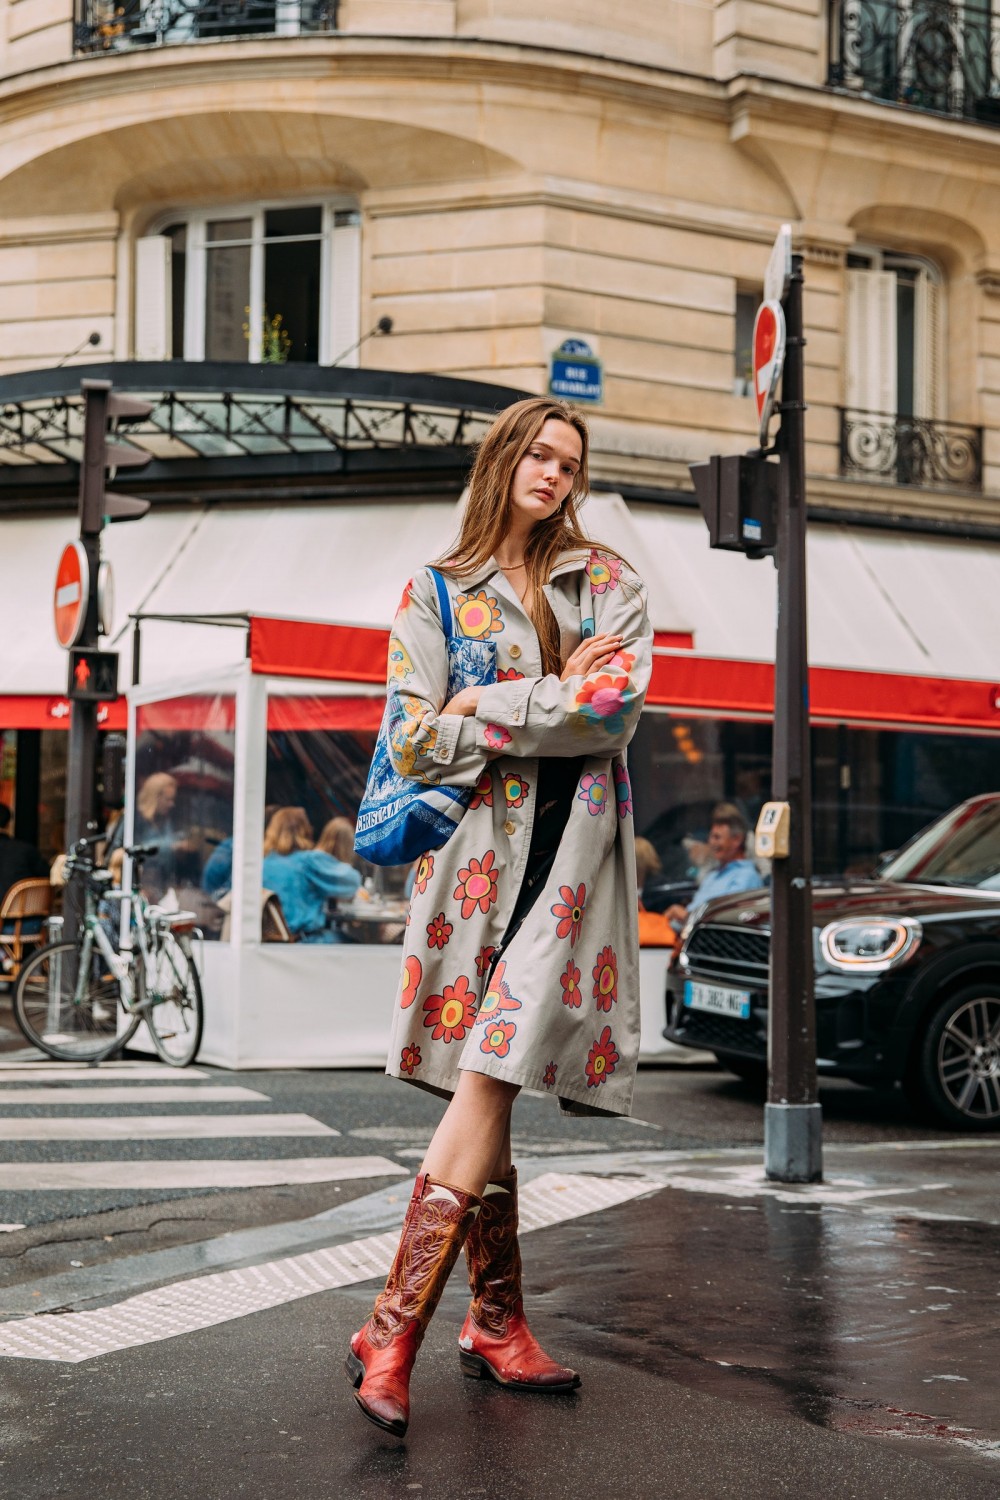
{"x":27,"y":901}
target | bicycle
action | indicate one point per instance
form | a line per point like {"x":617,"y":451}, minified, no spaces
{"x":83,"y":1000}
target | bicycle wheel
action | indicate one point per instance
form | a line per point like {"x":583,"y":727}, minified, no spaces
{"x":172,"y":1004}
{"x":70,"y":1022}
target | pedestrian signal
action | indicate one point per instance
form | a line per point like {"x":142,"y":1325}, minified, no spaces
{"x":93,"y":674}
{"x":738,"y":496}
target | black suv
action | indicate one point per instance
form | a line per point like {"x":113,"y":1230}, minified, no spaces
{"x":907,"y":973}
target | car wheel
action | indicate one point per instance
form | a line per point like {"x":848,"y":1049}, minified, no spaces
{"x":750,"y":1069}
{"x":956,"y":1072}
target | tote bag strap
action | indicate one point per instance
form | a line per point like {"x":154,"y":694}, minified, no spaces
{"x":444,"y":601}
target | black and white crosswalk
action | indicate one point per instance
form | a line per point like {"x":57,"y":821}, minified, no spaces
{"x":144,"y":1128}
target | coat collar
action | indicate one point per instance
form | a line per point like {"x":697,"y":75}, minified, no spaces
{"x":570,"y":561}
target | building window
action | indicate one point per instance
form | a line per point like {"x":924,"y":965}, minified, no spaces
{"x":747,"y":304}
{"x":894,"y":339}
{"x":267,"y":285}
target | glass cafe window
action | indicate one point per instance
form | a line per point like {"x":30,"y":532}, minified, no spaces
{"x":263,"y":285}
{"x":183,"y":802}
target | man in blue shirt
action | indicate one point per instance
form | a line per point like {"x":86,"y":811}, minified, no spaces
{"x":732,"y":871}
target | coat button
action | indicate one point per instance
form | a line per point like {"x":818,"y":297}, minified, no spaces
{"x":515,"y":652}
{"x":509,"y":828}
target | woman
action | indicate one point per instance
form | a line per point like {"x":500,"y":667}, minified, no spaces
{"x":337,"y":839}
{"x":520,"y":962}
{"x":303,"y":878}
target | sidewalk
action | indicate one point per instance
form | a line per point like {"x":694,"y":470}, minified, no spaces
{"x":736,"y":1338}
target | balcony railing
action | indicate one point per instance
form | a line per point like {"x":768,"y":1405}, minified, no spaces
{"x":928,"y":54}
{"x":910,"y":450}
{"x":118,"y":25}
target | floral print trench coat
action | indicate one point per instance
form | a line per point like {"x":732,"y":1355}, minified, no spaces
{"x":559,"y":1011}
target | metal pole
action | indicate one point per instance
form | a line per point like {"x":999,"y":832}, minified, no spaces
{"x":82,"y":750}
{"x":793,"y":1149}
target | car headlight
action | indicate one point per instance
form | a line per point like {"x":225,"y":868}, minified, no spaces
{"x":868,"y":947}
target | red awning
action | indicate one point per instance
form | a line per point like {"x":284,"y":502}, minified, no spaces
{"x":36,"y":711}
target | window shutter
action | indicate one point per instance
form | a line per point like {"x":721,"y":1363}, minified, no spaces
{"x":344,"y":295}
{"x":152,"y":298}
{"x":871,"y":341}
{"x":928,"y":375}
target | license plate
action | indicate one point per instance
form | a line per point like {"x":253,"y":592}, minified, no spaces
{"x":718,"y":998}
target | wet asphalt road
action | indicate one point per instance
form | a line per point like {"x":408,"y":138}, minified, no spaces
{"x":732,"y":1344}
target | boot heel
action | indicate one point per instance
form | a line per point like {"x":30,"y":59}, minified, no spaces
{"x":354,"y":1369}
{"x":472,"y":1365}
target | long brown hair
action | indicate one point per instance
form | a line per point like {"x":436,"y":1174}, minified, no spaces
{"x":487,"y":514}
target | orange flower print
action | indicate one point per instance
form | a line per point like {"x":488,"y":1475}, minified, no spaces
{"x":404,"y":602}
{"x":549,"y":1076}
{"x":477,"y":885}
{"x":425,"y":869}
{"x":410,"y":1059}
{"x":483,"y":959}
{"x":498,"y":1038}
{"x":413,"y":972}
{"x":497,"y":998}
{"x":570,"y":981}
{"x":452,"y":1013}
{"x":483,"y":793}
{"x":594,"y":793}
{"x":515,"y":789}
{"x":569,"y":912}
{"x":478,"y":615}
{"x":496,"y":736}
{"x":602,"y":1059}
{"x":605,"y":973}
{"x":509,"y":674}
{"x":438,"y":931}
{"x":605,"y":573}
{"x":622,"y":661}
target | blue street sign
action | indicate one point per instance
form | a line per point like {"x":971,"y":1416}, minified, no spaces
{"x":574,"y":372}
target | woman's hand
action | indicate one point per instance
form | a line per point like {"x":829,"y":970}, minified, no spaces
{"x":464,"y":703}
{"x":595,"y":652}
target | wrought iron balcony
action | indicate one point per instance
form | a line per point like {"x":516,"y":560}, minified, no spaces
{"x":910,"y":450}
{"x":119,"y":25}
{"x":928,"y":54}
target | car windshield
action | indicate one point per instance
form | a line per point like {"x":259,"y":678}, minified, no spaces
{"x":961,"y":848}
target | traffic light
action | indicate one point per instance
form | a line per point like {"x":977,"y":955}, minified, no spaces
{"x":93,"y":674}
{"x":104,"y":411}
{"x":738,"y":496}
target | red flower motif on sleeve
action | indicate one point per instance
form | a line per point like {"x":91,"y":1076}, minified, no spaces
{"x":498,"y":1038}
{"x":602,"y":1059}
{"x":477,"y":885}
{"x":413,"y":972}
{"x":438,"y":931}
{"x":605,"y":973}
{"x":409,"y":1059}
{"x":483,"y":793}
{"x":425,"y":869}
{"x":569,"y":912}
{"x":496,"y":736}
{"x":570,"y":981}
{"x":549,"y":1076}
{"x":451,"y":1013}
{"x":509,"y":674}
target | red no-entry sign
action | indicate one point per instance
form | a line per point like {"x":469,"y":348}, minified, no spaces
{"x":72,"y":594}
{"x":768,"y":360}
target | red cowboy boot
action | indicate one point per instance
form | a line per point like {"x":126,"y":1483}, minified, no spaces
{"x":496,"y":1339}
{"x":382,"y":1352}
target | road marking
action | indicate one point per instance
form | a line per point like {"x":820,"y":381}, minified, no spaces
{"x":47,"y":1072}
{"x":133,"y":1093}
{"x":10,"y":1228}
{"x":156,"y":1127}
{"x":204,"y":1301}
{"x":67,"y":1176}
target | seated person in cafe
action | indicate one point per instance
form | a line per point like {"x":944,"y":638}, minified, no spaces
{"x":732,"y":871}
{"x":19,"y":860}
{"x":337,"y":838}
{"x":655,"y":930}
{"x":303,"y":877}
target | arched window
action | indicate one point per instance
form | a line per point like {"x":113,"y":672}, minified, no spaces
{"x":264,"y":283}
{"x":894,"y":335}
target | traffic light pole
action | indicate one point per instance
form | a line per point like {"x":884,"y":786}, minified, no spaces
{"x":792,"y":1116}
